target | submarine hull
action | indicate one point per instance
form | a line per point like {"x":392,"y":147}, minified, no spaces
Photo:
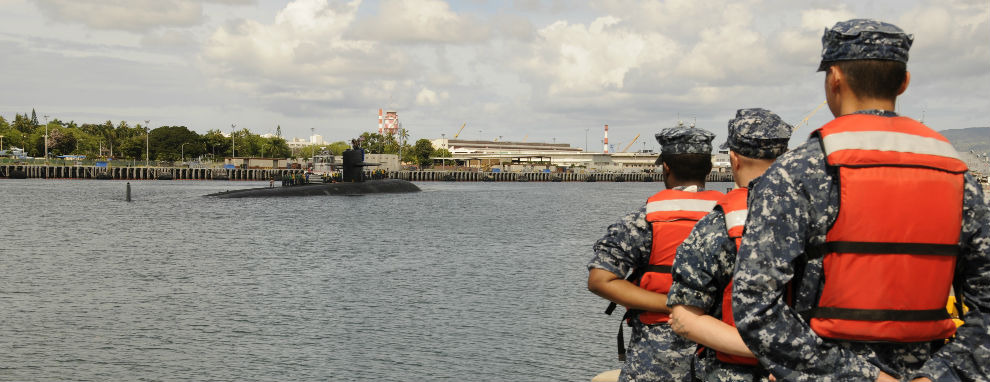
{"x":384,"y":186}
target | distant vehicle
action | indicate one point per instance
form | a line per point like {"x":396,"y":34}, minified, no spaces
{"x":17,"y":153}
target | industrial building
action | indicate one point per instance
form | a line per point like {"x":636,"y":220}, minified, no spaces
{"x":536,"y":156}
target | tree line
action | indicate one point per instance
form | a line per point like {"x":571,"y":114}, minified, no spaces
{"x":175,"y":143}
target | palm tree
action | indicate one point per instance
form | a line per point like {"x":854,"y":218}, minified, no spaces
{"x":403,"y":135}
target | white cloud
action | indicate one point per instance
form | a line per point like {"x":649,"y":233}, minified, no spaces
{"x":303,"y":55}
{"x":130,"y":15}
{"x":134,"y":15}
{"x":820,"y":18}
{"x":431,"y":98}
{"x":574,"y":59}
{"x":680,"y":53}
{"x":730,"y":47}
{"x":420,"y":21}
{"x":950,"y":38}
{"x":180,"y":41}
{"x":542,"y":67}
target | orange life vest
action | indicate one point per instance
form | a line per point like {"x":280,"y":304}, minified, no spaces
{"x":734,"y":208}
{"x":890,"y":256}
{"x":672,"y":214}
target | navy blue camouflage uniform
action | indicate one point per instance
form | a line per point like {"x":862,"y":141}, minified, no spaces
{"x":655,"y":352}
{"x":706,"y":259}
{"x":792,"y":208}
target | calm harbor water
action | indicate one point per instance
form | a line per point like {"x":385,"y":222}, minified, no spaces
{"x":463,"y":281}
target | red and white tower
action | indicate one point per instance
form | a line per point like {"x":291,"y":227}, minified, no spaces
{"x":606,"y":140}
{"x":380,"y":121}
{"x":388,"y":123}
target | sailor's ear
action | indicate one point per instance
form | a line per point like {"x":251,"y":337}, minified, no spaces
{"x":907,"y":80}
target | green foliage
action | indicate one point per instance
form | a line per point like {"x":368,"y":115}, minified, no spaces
{"x":422,"y":151}
{"x":276,"y":147}
{"x":374,"y":143}
{"x":23,"y":124}
{"x":442,"y":153}
{"x":338,"y":148}
{"x":132,"y":148}
{"x":217,"y":146}
{"x":11,"y":136}
{"x":61,"y":141}
{"x":169,"y":143}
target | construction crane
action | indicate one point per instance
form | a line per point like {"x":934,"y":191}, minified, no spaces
{"x":460,"y":130}
{"x":630,"y":144}
{"x":805,"y":120}
{"x":524,"y":138}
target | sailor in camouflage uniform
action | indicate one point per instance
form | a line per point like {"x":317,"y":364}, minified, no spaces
{"x":795,"y":208}
{"x":630,"y":248}
{"x":705,"y":261}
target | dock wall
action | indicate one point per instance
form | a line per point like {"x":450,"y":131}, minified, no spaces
{"x":181,"y":173}
{"x":140,"y":173}
{"x":463,"y":176}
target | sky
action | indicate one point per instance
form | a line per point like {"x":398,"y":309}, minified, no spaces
{"x":524,"y":70}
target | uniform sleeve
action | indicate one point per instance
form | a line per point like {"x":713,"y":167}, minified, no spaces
{"x":967,"y":356}
{"x":626,"y":244}
{"x":696,"y":272}
{"x":776,"y":232}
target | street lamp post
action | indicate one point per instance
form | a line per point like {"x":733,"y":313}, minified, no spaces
{"x":182,"y":148}
{"x":586,"y":140}
{"x":232,"y":127}
{"x":1,"y":142}
{"x":147,"y":144}
{"x":46,"y":139}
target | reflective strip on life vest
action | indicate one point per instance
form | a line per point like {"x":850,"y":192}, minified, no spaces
{"x":735,"y":219}
{"x":734,"y":209}
{"x":889,"y":256}
{"x":671,"y":214}
{"x":697,"y":205}
{"x":888,"y":141}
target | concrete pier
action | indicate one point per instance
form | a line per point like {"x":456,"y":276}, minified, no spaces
{"x":141,"y":173}
{"x":464,"y":176}
{"x":181,"y":173}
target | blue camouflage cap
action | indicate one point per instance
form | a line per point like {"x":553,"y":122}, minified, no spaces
{"x":685,"y":140}
{"x":864,"y":39}
{"x":758,"y":133}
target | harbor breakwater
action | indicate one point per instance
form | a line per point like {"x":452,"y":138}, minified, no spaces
{"x":183,"y":173}
{"x":139,"y":173}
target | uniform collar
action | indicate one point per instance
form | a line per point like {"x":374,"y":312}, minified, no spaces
{"x":882,"y":113}
{"x":689,"y":188}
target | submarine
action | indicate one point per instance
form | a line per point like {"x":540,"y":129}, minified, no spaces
{"x":352,"y":183}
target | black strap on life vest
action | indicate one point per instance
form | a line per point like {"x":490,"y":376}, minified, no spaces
{"x":874,"y":248}
{"x":630,"y":313}
{"x":876,"y":314}
{"x":878,"y":248}
{"x":957,"y":289}
{"x":758,"y":371}
{"x":635,"y":276}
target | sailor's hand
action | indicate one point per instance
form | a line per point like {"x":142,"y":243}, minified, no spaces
{"x":884,"y":377}
{"x":921,"y":380}
{"x":676,"y":323}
